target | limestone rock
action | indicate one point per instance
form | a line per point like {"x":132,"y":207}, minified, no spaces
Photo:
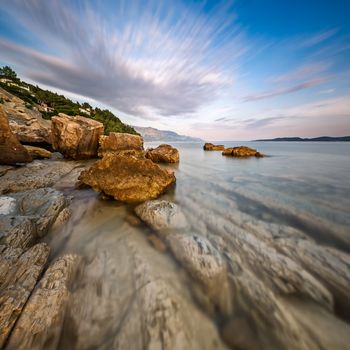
{"x":18,"y":278}
{"x":29,"y":216}
{"x":40,"y":323}
{"x":116,"y":142}
{"x":38,"y":152}
{"x":11,"y":151}
{"x":163,"y":154}
{"x":162,"y":216}
{"x":127,"y":179}
{"x":76,"y":137}
{"x":211,"y":147}
{"x":241,"y":152}
{"x":27,"y":124}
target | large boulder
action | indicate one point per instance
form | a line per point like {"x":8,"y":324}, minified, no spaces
{"x":76,"y":137}
{"x":241,"y":152}
{"x":211,"y":147}
{"x":163,"y":154}
{"x":11,"y":151}
{"x":127,"y":178}
{"x":26,"y":123}
{"x":118,"y":142}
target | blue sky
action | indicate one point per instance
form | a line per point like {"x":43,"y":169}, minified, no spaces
{"x":219,"y":70}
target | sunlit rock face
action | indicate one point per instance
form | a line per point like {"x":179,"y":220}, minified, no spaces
{"x":241,"y":152}
{"x":119,"y":142}
{"x":163,"y":154}
{"x":76,"y":137}
{"x":11,"y":151}
{"x":127,"y":178}
{"x":27,"y":124}
{"x":212,"y":147}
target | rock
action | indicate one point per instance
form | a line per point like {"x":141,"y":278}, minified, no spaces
{"x":4,"y":169}
{"x":157,"y":243}
{"x":128,"y":179}
{"x":116,"y":142}
{"x":26,"y":216}
{"x":163,"y":154}
{"x":11,"y":151}
{"x":203,"y":262}
{"x":241,"y":152}
{"x":38,"y":174}
{"x":41,"y":320}
{"x":38,"y":152}
{"x":162,"y":216}
{"x":211,"y":147}
{"x":19,"y":274}
{"x":27,"y":124}
{"x":76,"y":137}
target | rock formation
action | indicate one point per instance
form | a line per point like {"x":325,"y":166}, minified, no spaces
{"x":241,"y":152}
{"x":38,"y":152}
{"x":163,"y":154}
{"x":211,"y":147}
{"x":27,"y":124}
{"x":117,"y":142}
{"x":76,"y":137}
{"x":127,"y":178}
{"x":11,"y":151}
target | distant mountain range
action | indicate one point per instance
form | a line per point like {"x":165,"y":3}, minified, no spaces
{"x":153,"y":134}
{"x":315,"y":139}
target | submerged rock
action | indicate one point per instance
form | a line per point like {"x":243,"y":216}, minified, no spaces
{"x":127,"y":178}
{"x":116,"y":142}
{"x":41,"y":320}
{"x":38,"y":152}
{"x":19,"y":274}
{"x":11,"y":151}
{"x":211,"y":147}
{"x":163,"y":154}
{"x":163,"y":216}
{"x":76,"y":137}
{"x":241,"y":152}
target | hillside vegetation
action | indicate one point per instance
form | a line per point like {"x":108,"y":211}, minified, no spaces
{"x":50,"y":103}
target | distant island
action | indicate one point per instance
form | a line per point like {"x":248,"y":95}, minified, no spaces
{"x":153,"y":134}
{"x":314,"y":139}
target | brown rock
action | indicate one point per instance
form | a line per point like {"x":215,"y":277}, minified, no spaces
{"x":127,"y":178}
{"x":241,"y":152}
{"x":76,"y":137}
{"x":27,"y":124}
{"x":116,"y":142}
{"x":38,"y":152}
{"x":157,"y":243}
{"x":42,"y":318}
{"x":212,"y":147}
{"x":163,"y":154}
{"x":19,"y":273}
{"x":11,"y":151}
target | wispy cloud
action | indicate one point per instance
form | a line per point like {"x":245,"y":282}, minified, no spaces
{"x":318,"y":38}
{"x":143,"y":61}
{"x":285,"y":90}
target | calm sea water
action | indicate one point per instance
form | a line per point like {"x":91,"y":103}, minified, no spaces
{"x":297,"y":187}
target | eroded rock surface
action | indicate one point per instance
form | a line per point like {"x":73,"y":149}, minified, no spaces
{"x":11,"y":151}
{"x":19,"y":273}
{"x":163,"y":154}
{"x":40,"y":323}
{"x":116,"y":142}
{"x":38,"y":152}
{"x":211,"y":147}
{"x":127,"y":178}
{"x":76,"y":137}
{"x":241,"y":152}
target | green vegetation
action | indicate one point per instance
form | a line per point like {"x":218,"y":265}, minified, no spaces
{"x":59,"y":104}
{"x":1,"y":101}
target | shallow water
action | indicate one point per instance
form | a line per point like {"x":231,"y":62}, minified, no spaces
{"x":299,"y":189}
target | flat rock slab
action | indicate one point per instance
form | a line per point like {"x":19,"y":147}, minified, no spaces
{"x":19,"y":274}
{"x":40,"y":323}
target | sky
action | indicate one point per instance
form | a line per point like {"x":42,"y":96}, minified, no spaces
{"x":219,"y":70}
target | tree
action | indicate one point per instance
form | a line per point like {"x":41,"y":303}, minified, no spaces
{"x":8,"y":72}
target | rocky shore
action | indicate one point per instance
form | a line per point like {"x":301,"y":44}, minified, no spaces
{"x":213,"y":282}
